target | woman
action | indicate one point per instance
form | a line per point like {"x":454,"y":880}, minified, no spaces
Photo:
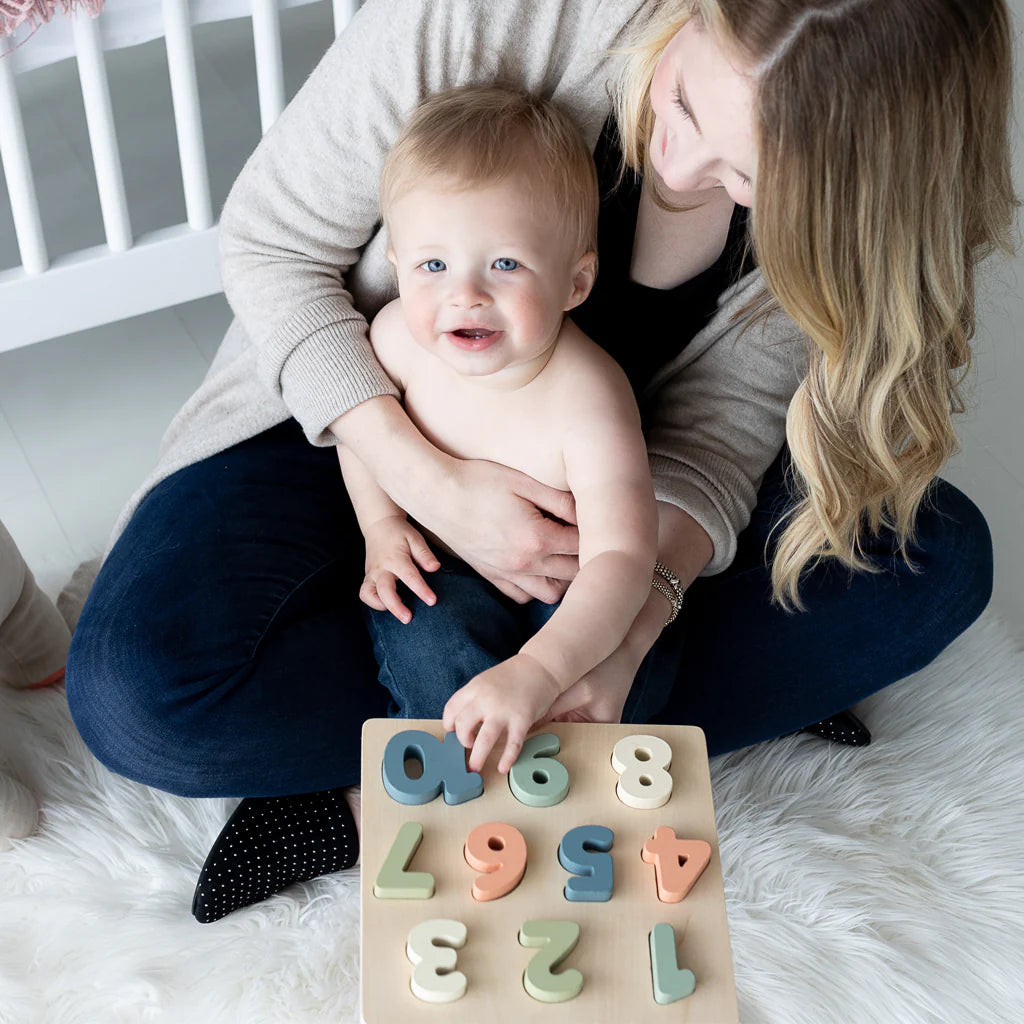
{"x":221,"y":651}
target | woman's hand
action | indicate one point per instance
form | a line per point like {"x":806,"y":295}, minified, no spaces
{"x":601,"y":694}
{"x":395,"y":550}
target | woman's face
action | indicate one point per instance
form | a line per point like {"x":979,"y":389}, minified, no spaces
{"x":704,"y":118}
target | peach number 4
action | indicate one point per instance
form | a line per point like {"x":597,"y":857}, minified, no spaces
{"x":678,"y":863}
{"x":498,"y":850}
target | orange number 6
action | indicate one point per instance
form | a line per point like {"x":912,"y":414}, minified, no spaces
{"x":499,"y":850}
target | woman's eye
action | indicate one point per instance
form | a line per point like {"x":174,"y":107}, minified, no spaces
{"x":744,"y":180}
{"x":506,"y":264}
{"x":434,"y":266}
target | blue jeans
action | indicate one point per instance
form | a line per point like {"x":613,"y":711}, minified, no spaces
{"x":472,"y":627}
{"x":223,"y":652}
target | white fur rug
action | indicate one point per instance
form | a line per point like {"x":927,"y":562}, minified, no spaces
{"x":864,"y":885}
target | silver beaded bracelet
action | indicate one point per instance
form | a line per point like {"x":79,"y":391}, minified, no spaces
{"x":671,"y":588}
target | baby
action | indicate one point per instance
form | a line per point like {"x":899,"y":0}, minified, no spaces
{"x":490,"y":202}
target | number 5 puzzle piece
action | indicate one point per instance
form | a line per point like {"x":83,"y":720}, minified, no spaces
{"x":678,"y":863}
{"x":642,"y":762}
{"x":670,"y":981}
{"x":444,"y":767}
{"x":434,"y":978}
{"x":584,"y":852}
{"x":499,"y":850}
{"x":537,"y":779}
{"x":557,"y":940}
{"x":393,"y":881}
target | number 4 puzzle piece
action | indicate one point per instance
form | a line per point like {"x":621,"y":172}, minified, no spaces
{"x":678,"y":863}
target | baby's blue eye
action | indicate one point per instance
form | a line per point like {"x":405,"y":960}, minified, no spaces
{"x":506,"y":264}
{"x":434,"y":266}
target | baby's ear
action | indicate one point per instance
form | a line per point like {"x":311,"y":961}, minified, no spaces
{"x":583,"y":277}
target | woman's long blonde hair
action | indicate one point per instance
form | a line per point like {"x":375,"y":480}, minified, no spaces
{"x":883,"y":176}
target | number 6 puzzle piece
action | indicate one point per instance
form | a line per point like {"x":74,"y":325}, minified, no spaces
{"x":393,"y":881}
{"x":584,"y":851}
{"x":678,"y":863}
{"x":537,"y":779}
{"x":444,"y":767}
{"x":434,"y":978}
{"x":671,"y":983}
{"x":557,"y":940}
{"x":641,"y":762}
{"x":499,"y":850}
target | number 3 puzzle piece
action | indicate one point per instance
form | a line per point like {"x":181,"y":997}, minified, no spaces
{"x":499,"y":850}
{"x":557,"y":940}
{"x":678,"y":863}
{"x":537,"y":779}
{"x":671,"y":983}
{"x":393,"y":881}
{"x":641,"y":762}
{"x":444,"y":767}
{"x":584,"y":851}
{"x":434,"y":978}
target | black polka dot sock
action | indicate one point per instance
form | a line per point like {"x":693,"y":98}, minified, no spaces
{"x":271,"y":842}
{"x":844,"y":727}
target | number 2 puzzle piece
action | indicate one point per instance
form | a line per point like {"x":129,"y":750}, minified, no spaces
{"x":434,"y":978}
{"x":393,"y":881}
{"x":499,"y":850}
{"x":444,"y":767}
{"x":670,"y":982}
{"x":678,"y":863}
{"x":537,"y":779}
{"x":584,"y":852}
{"x":642,"y":762}
{"x":557,"y":940}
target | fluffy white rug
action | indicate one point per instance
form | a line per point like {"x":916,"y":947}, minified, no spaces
{"x":864,"y":885}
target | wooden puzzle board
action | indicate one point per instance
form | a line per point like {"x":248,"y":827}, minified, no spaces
{"x":613,"y":953}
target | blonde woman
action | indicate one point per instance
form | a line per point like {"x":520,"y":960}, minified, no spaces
{"x":797,"y":391}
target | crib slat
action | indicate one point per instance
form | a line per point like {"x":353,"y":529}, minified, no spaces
{"x":343,"y":13}
{"x":187,"y":114}
{"x":266,"y":33}
{"x":92,"y":71}
{"x":28,"y":226}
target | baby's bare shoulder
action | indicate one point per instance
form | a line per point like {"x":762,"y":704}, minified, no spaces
{"x":392,"y":344}
{"x":586,"y":376}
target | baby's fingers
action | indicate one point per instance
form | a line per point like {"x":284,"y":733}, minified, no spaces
{"x":484,"y":744}
{"x":387,"y":591}
{"x":423,"y":555}
{"x":369,"y":596}
{"x":414,"y":581}
{"x":513,"y":748}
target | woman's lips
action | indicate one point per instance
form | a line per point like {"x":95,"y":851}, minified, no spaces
{"x":472,"y":339}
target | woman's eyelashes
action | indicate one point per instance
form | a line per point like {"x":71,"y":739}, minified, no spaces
{"x":677,"y":98}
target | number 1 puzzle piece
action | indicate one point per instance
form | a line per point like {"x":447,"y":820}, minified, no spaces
{"x":499,"y":850}
{"x":642,"y":762}
{"x":434,"y":978}
{"x":678,"y":863}
{"x":393,"y":881}
{"x":557,"y":940}
{"x":444,"y":767}
{"x":537,"y":779}
{"x":671,"y":983}
{"x":584,"y":852}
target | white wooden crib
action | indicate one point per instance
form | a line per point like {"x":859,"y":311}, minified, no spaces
{"x":129,"y":272}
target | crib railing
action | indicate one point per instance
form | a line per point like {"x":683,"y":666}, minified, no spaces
{"x":127,"y":276}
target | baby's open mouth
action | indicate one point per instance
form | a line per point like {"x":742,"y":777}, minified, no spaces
{"x":473,"y":333}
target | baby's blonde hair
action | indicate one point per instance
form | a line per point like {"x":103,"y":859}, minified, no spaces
{"x":883,"y":177}
{"x":481,"y":135}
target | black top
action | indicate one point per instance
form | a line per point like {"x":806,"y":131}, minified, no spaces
{"x":642,"y":327}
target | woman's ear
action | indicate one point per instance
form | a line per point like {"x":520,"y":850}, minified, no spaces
{"x":582,"y":279}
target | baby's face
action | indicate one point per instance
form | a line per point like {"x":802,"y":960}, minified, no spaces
{"x":485,"y":274}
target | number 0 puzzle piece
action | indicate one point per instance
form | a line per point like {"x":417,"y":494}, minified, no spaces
{"x":444,"y":767}
{"x":499,"y":850}
{"x":641,"y":762}
{"x":393,"y":881}
{"x":557,"y":940}
{"x":678,"y":863}
{"x":434,"y":978}
{"x":537,"y":779}
{"x":584,"y":852}
{"x":670,"y":982}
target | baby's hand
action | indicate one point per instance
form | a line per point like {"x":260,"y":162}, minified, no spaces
{"x":393,"y":549}
{"x":507,"y":698}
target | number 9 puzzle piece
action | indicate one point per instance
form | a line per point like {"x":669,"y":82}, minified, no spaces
{"x":499,"y":850}
{"x":537,"y":779}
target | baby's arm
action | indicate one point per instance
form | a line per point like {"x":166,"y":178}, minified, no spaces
{"x":606,"y":468}
{"x":395,"y":549}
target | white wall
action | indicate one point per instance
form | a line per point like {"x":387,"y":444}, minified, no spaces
{"x":990,"y":467}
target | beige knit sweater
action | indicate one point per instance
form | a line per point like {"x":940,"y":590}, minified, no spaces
{"x":304,"y":266}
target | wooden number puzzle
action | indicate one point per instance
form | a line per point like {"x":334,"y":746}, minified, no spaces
{"x":584,"y":887}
